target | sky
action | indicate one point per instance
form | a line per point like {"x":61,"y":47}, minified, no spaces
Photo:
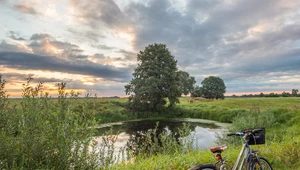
{"x":253,"y":45}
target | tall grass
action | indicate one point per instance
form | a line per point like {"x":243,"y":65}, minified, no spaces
{"x":41,"y":133}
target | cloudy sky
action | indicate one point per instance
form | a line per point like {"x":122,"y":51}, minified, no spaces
{"x":253,"y":45}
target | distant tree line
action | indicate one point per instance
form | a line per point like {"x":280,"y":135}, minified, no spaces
{"x":294,"y":93}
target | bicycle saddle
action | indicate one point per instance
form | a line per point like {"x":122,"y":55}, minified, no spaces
{"x":218,"y":149}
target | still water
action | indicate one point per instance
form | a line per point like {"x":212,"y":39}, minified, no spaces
{"x":203,"y":131}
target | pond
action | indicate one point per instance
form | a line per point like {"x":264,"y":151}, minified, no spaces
{"x":203,"y":131}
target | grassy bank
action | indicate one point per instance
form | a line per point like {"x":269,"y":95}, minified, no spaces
{"x":114,"y":110}
{"x":108,"y":110}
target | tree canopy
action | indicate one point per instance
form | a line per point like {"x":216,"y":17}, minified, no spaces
{"x":186,"y":82}
{"x":197,"y":92}
{"x":155,"y":79}
{"x":213,"y":87}
{"x":295,"y":92}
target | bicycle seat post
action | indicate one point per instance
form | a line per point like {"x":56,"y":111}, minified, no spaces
{"x":218,"y":153}
{"x":219,"y":157}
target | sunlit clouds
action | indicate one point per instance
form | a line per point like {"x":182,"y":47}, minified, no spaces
{"x":92,"y":45}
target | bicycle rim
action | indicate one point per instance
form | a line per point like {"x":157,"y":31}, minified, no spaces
{"x":263,"y":164}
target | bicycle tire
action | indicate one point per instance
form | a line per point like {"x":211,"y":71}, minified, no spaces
{"x":204,"y":167}
{"x":261,"y":164}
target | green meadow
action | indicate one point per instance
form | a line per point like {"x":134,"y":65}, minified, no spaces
{"x":40,"y":132}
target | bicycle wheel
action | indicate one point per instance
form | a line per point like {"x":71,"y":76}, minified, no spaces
{"x":261,"y":164}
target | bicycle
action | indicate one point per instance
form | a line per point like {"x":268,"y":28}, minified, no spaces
{"x":251,"y":159}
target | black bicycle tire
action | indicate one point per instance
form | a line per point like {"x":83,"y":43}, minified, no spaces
{"x":261,"y":159}
{"x":205,"y":167}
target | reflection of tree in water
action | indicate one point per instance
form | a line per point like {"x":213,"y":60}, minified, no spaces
{"x":140,"y":135}
{"x":145,"y":136}
{"x":135,"y":126}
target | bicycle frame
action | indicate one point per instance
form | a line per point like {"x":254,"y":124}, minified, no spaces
{"x":245,"y":148}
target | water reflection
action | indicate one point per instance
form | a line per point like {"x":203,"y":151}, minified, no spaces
{"x":130,"y":133}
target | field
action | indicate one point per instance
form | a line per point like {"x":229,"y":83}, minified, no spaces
{"x":38,"y":132}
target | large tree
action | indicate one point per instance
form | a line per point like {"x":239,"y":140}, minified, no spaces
{"x":155,"y":79}
{"x":186,"y":82}
{"x":213,"y":87}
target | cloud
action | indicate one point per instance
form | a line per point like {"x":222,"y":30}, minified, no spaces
{"x":4,"y":46}
{"x":47,"y":53}
{"x":272,"y":82}
{"x":86,"y":34}
{"x":13,"y":35}
{"x":131,"y":56}
{"x":203,"y":6}
{"x":41,"y":37}
{"x":25,"y":8}
{"x":165,"y":25}
{"x":219,"y":33}
{"x":98,"y":86}
{"x":97,"y":13}
{"x":19,"y":60}
{"x":45,"y":44}
{"x":106,"y":60}
{"x":104,"y":47}
{"x":19,"y":77}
